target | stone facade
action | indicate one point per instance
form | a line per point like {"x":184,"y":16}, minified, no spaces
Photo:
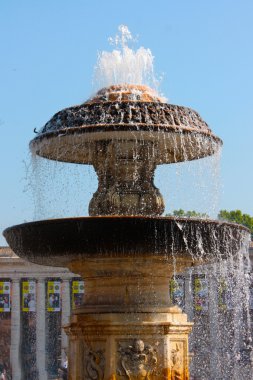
{"x":32,"y":342}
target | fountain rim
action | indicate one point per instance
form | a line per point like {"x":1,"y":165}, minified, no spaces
{"x":67,"y":240}
{"x":110,"y":127}
{"x":118,"y":128}
{"x":130,"y":217}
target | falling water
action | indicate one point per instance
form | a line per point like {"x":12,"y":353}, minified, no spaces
{"x":60,"y":189}
{"x":215,"y":296}
{"x":218,"y":304}
{"x":194,"y":185}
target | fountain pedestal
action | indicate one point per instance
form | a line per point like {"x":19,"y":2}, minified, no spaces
{"x":127,"y":328}
{"x":129,"y":345}
{"x":126,"y":254}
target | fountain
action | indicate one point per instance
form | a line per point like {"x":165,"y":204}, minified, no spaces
{"x":125,"y":251}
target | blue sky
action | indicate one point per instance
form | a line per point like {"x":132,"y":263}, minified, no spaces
{"x":48,"y":50}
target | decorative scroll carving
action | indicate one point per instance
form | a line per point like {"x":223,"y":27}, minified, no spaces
{"x":93,"y":364}
{"x":110,"y":113}
{"x":137,"y":361}
{"x":176,"y":363}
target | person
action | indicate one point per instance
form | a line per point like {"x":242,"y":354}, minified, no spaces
{"x":65,"y":362}
{"x":63,"y":373}
{"x":2,"y":372}
{"x":32,"y":303}
{"x":26,"y":300}
{"x":56,"y":301}
{"x":51,"y":300}
{"x":63,"y":369}
{"x":6,"y":302}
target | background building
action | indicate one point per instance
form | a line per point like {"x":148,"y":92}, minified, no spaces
{"x":37,"y":302}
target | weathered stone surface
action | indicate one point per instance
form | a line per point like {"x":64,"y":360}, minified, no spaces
{"x":111,"y":113}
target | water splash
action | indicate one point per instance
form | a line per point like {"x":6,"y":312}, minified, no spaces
{"x":216,"y":298}
{"x":59,"y":189}
{"x":123,"y":64}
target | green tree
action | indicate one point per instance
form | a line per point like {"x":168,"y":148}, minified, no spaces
{"x":188,"y":214}
{"x":237,"y":216}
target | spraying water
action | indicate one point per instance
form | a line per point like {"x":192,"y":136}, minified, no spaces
{"x":123,"y":64}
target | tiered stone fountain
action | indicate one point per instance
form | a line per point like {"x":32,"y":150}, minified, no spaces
{"x":125,"y":251}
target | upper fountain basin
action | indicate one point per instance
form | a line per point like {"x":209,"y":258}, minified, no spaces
{"x":126,"y":113}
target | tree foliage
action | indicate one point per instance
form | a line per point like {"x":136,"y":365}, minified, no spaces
{"x":188,"y":214}
{"x":237,"y":216}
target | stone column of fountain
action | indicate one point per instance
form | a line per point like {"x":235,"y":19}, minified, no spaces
{"x":125,"y":251}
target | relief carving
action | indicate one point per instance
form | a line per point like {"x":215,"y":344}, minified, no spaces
{"x":93,"y":364}
{"x":129,"y":112}
{"x":137,"y":361}
{"x":177,"y":363}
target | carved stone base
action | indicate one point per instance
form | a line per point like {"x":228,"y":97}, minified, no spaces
{"x":134,"y":346}
{"x":127,"y":327}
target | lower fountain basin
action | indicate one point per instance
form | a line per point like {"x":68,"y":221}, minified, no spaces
{"x":57,"y":242}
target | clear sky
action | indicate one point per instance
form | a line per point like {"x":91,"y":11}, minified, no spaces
{"x":48,"y":49}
